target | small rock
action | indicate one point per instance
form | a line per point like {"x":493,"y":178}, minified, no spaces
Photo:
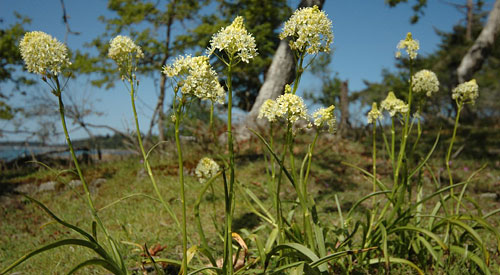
{"x":98,"y":182}
{"x":48,"y":186}
{"x":74,"y":183}
{"x":26,"y":188}
{"x":492,"y":196}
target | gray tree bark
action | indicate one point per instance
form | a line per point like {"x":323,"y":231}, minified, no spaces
{"x":344,"y":107}
{"x":280,"y":73}
{"x":475,"y":56}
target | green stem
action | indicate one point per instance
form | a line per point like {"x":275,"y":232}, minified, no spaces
{"x":305,"y":200}
{"x":229,"y":260}
{"x":93,"y":210}
{"x":298,"y":72}
{"x":145,"y":158}
{"x":197,"y":217}
{"x":404,"y":138}
{"x":448,"y":154}
{"x":393,"y":145}
{"x":181,"y":184}
{"x":374,"y":188}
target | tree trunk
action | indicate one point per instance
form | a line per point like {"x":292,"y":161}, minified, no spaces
{"x":280,"y":73}
{"x":344,"y":107}
{"x":163,"y":80}
{"x":475,"y":56}
{"x":468,"y":31}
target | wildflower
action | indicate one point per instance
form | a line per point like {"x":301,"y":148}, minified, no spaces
{"x":310,"y":30}
{"x":393,"y":105}
{"x":291,"y":107}
{"x":43,"y":54}
{"x":373,"y":114}
{"x":325,"y":117}
{"x":268,"y":110}
{"x":410,"y":45}
{"x":466,"y":92}
{"x":206,"y":169}
{"x":234,"y":39}
{"x":196,"y":77}
{"x":425,"y":81}
{"x":125,"y":53}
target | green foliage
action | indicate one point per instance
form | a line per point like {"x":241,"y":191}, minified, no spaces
{"x":443,"y":62}
{"x":262,"y":20}
{"x":152,"y":24}
{"x":10,"y":63}
{"x":418,"y":8}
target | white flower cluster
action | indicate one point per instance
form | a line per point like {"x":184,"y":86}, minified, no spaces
{"x":393,"y":105}
{"x":196,"y":77}
{"x":43,"y":54}
{"x":206,"y":169}
{"x":234,"y":39}
{"x":125,"y":53}
{"x":410,"y":45}
{"x":425,"y":81}
{"x":324,"y":117}
{"x":287,"y":106}
{"x":373,"y":114}
{"x":466,"y":92}
{"x":310,"y":30}
{"x":291,"y":107}
{"x":268,"y":110}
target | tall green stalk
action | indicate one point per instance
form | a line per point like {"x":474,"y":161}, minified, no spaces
{"x":228,"y":248}
{"x":404,"y":137}
{"x":181,"y":183}
{"x":145,"y":156}
{"x":374,"y":187}
{"x":448,"y":154}
{"x":116,"y":254}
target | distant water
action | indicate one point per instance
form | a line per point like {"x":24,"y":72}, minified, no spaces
{"x":8,"y":153}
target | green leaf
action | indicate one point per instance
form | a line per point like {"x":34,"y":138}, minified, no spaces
{"x":339,"y":254}
{"x":285,"y":267}
{"x":420,"y":165}
{"x":271,"y":239}
{"x":423,"y":231}
{"x":57,"y":219}
{"x":431,"y":250}
{"x":384,"y":246}
{"x":260,"y":204}
{"x":94,"y":246}
{"x":380,"y":184}
{"x":471,"y":256}
{"x":197,"y":271}
{"x":365,"y":198}
{"x":320,"y":240}
{"x":303,"y":252}
{"x":278,"y":160}
{"x":473,"y":234}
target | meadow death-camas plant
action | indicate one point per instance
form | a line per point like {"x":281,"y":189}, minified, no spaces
{"x":425,"y":229}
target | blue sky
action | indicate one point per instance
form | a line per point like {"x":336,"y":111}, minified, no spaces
{"x":366,"y":34}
